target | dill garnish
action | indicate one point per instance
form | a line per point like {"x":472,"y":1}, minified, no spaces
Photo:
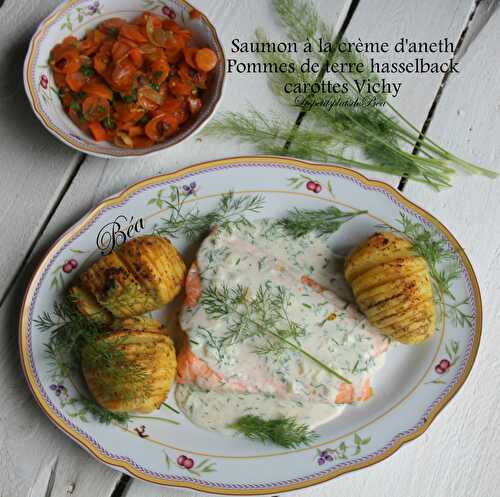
{"x":324,"y":222}
{"x":230,"y":213}
{"x":286,"y":432}
{"x":73,"y":337}
{"x":330,"y":129}
{"x":263,"y":315}
{"x":436,"y":251}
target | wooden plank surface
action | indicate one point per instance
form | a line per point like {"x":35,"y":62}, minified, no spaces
{"x":389,"y":21}
{"x":35,"y":165}
{"x":455,"y":456}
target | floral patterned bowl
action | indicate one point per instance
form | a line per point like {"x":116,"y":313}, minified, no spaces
{"x":75,"y":17}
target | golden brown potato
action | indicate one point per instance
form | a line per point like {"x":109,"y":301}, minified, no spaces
{"x":87,"y":304}
{"x":140,"y":276}
{"x":130,"y":371}
{"x":392,"y":287}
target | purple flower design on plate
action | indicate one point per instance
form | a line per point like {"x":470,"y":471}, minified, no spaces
{"x":190,"y":189}
{"x":323,"y":457}
{"x":57,"y":388}
{"x":93,"y":8}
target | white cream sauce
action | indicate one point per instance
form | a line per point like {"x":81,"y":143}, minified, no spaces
{"x":286,"y":383}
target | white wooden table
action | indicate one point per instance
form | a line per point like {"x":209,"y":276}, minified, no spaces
{"x":45,"y":186}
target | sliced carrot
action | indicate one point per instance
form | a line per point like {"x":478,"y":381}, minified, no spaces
{"x":101,"y":62}
{"x":160,"y":70}
{"x":98,"y":131}
{"x":189,"y":55}
{"x":111,"y":26}
{"x":161,"y":127}
{"x":135,"y":131}
{"x":95,"y":108}
{"x":75,"y":81}
{"x":136,"y":57}
{"x":143,"y":19}
{"x":206,"y":59}
{"x":98,"y":90}
{"x":179,"y":88}
{"x":132,"y":32}
{"x":123,"y":75}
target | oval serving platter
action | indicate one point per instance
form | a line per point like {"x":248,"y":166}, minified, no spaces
{"x":409,"y":391}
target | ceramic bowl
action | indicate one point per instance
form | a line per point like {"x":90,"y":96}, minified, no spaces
{"x":76,"y":17}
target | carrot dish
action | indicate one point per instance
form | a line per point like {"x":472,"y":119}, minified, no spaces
{"x":135,"y":83}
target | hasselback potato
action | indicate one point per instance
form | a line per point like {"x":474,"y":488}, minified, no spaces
{"x":392,"y":286}
{"x":130,"y":371}
{"x":140,"y":276}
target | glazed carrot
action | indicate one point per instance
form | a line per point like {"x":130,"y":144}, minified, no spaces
{"x":136,"y":57}
{"x":95,"y":108}
{"x":189,"y":54}
{"x":205,"y":59}
{"x":132,"y":32}
{"x":98,"y":132}
{"x":75,"y":81}
{"x":160,"y":70}
{"x":179,"y":88}
{"x":133,"y":83}
{"x":98,"y":89}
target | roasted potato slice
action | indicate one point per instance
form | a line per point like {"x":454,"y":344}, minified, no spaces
{"x":379,"y":248}
{"x":392,"y":286}
{"x":140,"y":276}
{"x":130,"y":371}
{"x":87,"y":304}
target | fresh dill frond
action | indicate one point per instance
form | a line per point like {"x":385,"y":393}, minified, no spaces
{"x":75,"y":338}
{"x":436,"y":253}
{"x":231,"y":212}
{"x":286,"y":432}
{"x":330,"y":132}
{"x":263,"y":315}
{"x":324,"y":222}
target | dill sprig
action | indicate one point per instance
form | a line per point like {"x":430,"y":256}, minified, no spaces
{"x":230,"y":213}
{"x":263,"y":315}
{"x":324,"y":222}
{"x":73,"y":338}
{"x":329,"y":130}
{"x":286,"y":432}
{"x":436,"y":253}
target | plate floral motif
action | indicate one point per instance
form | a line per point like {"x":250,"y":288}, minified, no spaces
{"x":165,"y":447}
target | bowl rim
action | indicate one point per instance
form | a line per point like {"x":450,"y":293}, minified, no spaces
{"x":32,"y":95}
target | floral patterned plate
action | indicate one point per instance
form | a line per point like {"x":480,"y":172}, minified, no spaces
{"x":165,"y":447}
{"x":75,"y":18}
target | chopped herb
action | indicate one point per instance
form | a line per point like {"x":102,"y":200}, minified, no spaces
{"x":76,"y":106}
{"x":80,"y":95}
{"x":157,"y":74}
{"x":155,"y":86}
{"x":100,"y":108}
{"x":108,"y":122}
{"x":128,"y":99}
{"x":324,"y":222}
{"x":143,"y":120}
{"x":113,"y":32}
{"x":87,"y":71}
{"x":286,"y":432}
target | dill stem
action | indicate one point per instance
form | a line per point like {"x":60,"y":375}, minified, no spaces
{"x":294,"y":346}
{"x":155,"y":418}
{"x":310,"y":356}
